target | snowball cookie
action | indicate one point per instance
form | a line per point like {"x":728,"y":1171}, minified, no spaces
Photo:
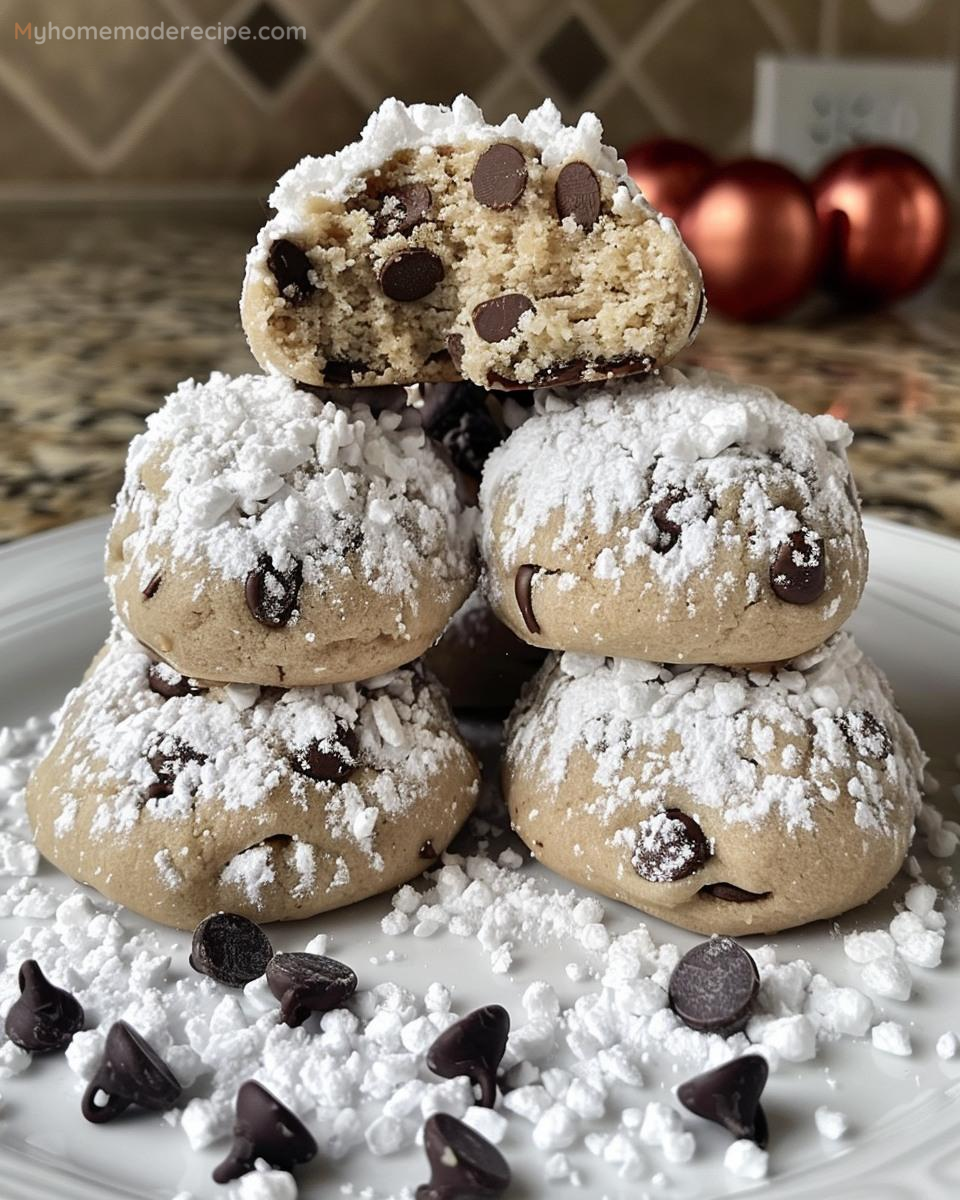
{"x":725,"y":801}
{"x":179,"y":800}
{"x":683,"y":518}
{"x":267,"y":535}
{"x":439,"y":247}
{"x":482,"y":664}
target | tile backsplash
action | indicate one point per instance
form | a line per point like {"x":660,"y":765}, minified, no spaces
{"x":171,"y":112}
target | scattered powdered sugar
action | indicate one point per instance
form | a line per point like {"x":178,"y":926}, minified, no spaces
{"x":753,"y":744}
{"x":738,"y":469}
{"x":252,"y":466}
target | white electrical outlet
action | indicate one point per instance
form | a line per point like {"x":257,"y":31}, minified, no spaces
{"x":806,"y":110}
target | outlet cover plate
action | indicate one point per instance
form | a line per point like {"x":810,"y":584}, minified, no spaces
{"x":807,"y":110}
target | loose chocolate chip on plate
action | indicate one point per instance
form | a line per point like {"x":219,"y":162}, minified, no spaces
{"x":865,"y":733}
{"x":410,"y":274}
{"x":713,"y":986}
{"x":798,"y":574}
{"x":462,"y":1162}
{"x":577,"y":194}
{"x":44,"y":1017}
{"x":168,"y":683}
{"x":331,"y":761}
{"x":496,"y":319}
{"x":473,"y":1047}
{"x":308,"y":983}
{"x":290,"y":267}
{"x":130,"y":1072}
{"x":264,"y":1128}
{"x":732,"y":893}
{"x":522,"y":587}
{"x":152,"y":587}
{"x":730,"y":1096}
{"x":230,"y":949}
{"x":500,"y":176}
{"x":271,"y":594}
{"x":402,"y":209}
{"x":670,"y":846}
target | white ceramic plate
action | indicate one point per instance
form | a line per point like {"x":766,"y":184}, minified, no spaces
{"x":904,"y":1112}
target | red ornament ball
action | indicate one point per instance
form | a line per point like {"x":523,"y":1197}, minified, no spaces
{"x":885,"y":222}
{"x":754,"y":230}
{"x":668,"y":172}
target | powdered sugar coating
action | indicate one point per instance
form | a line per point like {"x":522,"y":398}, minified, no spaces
{"x":252,"y":466}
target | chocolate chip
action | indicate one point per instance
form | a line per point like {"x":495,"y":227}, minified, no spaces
{"x":499,"y":177}
{"x":730,"y":1096}
{"x":462,"y":1162}
{"x":670,"y":846}
{"x":427,"y":851}
{"x":522,"y":587}
{"x":410,"y":274}
{"x":339,"y":372}
{"x":668,"y":527}
{"x":167,"y":758}
{"x":152,"y":587}
{"x":291,"y":269}
{"x":455,"y":349}
{"x":865,"y":734}
{"x":308,"y":983}
{"x":271,"y":594}
{"x":624,"y":364}
{"x":264,"y":1128}
{"x":496,"y":319}
{"x":230,"y":949}
{"x":577,"y":194}
{"x":732,"y":893}
{"x":798,"y":574}
{"x":700,"y":306}
{"x":473,"y":1047}
{"x":464,"y":426}
{"x":167,"y":683}
{"x":44,"y":1017}
{"x":713,"y":986}
{"x":332,"y":760}
{"x":130,"y":1072}
{"x":402,"y":209}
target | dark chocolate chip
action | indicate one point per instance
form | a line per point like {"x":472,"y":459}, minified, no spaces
{"x":670,"y":846}
{"x":264,"y":1128}
{"x":625,"y":364}
{"x":499,"y":177}
{"x":130,"y":1072}
{"x":462,"y":1162}
{"x":496,"y":319}
{"x":402,"y":209}
{"x":798,"y":575}
{"x":865,"y":733}
{"x":455,"y":349}
{"x":44,"y":1017}
{"x":427,"y":851}
{"x":730,"y":1096}
{"x":668,"y":527}
{"x":577,"y":194}
{"x":271,"y":594}
{"x":522,"y":587}
{"x":700,"y":305}
{"x":308,"y":983}
{"x":167,"y":683}
{"x":152,"y":587}
{"x":167,"y":759}
{"x":410,"y":274}
{"x":463,"y":424}
{"x":339,"y":372}
{"x":291,"y":269}
{"x":713,"y":986}
{"x":230,"y":949}
{"x":732,"y":893}
{"x":473,"y":1047}
{"x":333,"y":760}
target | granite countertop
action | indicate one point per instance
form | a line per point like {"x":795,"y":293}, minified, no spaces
{"x":103,"y":309}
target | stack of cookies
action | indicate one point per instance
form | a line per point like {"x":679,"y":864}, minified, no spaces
{"x":249,"y":738}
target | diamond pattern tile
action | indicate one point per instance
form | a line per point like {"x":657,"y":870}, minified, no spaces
{"x":572,"y":59}
{"x":627,"y":17}
{"x":626,"y":120}
{"x":269,"y":60}
{"x":931,"y":33}
{"x":522,"y":16}
{"x":427,"y":51}
{"x":317,"y":14}
{"x":29,"y":151}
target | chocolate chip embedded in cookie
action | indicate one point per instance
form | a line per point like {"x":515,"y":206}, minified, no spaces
{"x":439,"y":245}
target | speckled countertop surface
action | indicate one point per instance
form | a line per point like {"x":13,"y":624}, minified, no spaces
{"x":104,"y":309}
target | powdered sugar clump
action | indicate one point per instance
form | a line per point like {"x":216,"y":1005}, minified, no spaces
{"x":254,"y":466}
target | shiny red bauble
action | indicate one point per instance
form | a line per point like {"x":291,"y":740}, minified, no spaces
{"x":885,"y":223}
{"x":668,"y":172}
{"x":754,"y":230}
